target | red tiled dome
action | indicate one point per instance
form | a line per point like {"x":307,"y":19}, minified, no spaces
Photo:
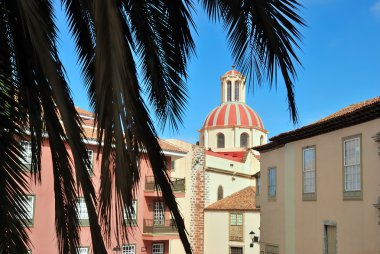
{"x":233,"y":114}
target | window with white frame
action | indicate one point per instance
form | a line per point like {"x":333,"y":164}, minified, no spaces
{"x":272,"y":183}
{"x":28,"y":205}
{"x":90,"y":154}
{"x":82,"y":211}
{"x":236,"y":227}
{"x":158,"y":248}
{"x":27,"y":152}
{"x":158,"y":213}
{"x":82,"y":250}
{"x":236,"y":219}
{"x":172,"y":165}
{"x":308,"y":171}
{"x":352,"y":167}
{"x":129,"y":249}
{"x":132,"y":215}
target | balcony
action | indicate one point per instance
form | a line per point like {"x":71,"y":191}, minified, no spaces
{"x":163,"y":230}
{"x":178,"y":184}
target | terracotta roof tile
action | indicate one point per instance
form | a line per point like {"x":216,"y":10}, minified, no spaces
{"x":84,"y":112}
{"x":244,"y":199}
{"x":349,"y":109}
{"x":91,"y":133}
{"x":354,"y":114}
{"x":166,"y":146}
{"x":237,"y":156}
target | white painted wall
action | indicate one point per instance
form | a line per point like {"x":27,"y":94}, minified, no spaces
{"x":230,"y":183}
{"x":182,"y":170}
{"x":217,"y":232}
{"x":208,"y":137}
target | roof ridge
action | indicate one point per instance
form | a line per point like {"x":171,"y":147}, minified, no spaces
{"x":348,"y":116}
{"x":239,"y":200}
{"x":177,"y":148}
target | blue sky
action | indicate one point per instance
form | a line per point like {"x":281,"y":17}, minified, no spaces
{"x":340,"y":57}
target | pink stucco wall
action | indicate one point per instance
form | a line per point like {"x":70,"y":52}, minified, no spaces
{"x":42,"y":232}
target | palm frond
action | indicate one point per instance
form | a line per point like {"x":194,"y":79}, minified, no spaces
{"x":38,"y":34}
{"x":164,"y":43}
{"x":13,"y":185}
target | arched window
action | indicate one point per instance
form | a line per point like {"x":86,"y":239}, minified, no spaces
{"x":220,"y":140}
{"x":261,"y":140}
{"x":244,"y":140}
{"x":220,"y":192}
{"x":236,"y":90}
{"x":228,"y":90}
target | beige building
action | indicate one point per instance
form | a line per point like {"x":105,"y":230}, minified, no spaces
{"x":181,"y":169}
{"x":229,"y":222}
{"x":320,"y":185}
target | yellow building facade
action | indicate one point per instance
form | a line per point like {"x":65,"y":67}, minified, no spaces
{"x":320,"y":185}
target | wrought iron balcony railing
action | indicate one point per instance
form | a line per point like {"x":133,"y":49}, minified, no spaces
{"x":178,"y":184}
{"x":159,"y":226}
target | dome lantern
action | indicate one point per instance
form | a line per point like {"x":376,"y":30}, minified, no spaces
{"x":232,"y":86}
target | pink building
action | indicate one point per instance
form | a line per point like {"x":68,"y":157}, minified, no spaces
{"x":152,"y":229}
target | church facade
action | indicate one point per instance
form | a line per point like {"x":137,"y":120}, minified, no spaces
{"x":222,"y":170}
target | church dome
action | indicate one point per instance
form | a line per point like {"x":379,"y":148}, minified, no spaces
{"x":232,"y":72}
{"x":233,"y":114}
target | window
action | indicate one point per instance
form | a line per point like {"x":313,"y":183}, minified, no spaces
{"x":228,"y":90}
{"x":129,"y":249}
{"x":82,"y":250}
{"x":220,"y":140}
{"x":158,"y":213}
{"x":261,"y":140}
{"x":90,"y":154}
{"x":82,"y":212}
{"x":26,"y":153}
{"x":236,"y":227}
{"x":158,"y":248}
{"x":271,"y":249}
{"x":28,"y":204}
{"x":308,"y":172}
{"x":220,"y":192}
{"x":172,"y":165}
{"x":272,"y":183}
{"x":236,"y":250}
{"x":236,"y":90}
{"x":244,"y":140}
{"x":258,"y":185}
{"x":352,"y":168}
{"x":236,"y":219}
{"x":132,"y":216}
